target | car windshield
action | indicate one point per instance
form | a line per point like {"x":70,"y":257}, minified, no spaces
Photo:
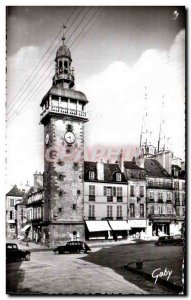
{"x":11,"y":246}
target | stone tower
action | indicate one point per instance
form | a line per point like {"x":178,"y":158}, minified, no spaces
{"x":63,"y":116}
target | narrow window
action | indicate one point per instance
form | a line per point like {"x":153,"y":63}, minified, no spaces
{"x":142,"y":213}
{"x":91,"y":212}
{"x":118,"y":177}
{"x":132,"y":193}
{"x":109,"y":211}
{"x":114,"y":191}
{"x":11,"y":202}
{"x":119,"y":212}
{"x":91,"y":175}
{"x":141,"y":191}
{"x":132,"y":209}
{"x":151,"y":209}
{"x":92,"y":190}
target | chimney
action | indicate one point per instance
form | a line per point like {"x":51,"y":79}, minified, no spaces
{"x":38,"y":180}
{"x":121,"y":164}
{"x":100,"y":170}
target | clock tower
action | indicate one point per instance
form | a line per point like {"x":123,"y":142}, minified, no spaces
{"x":63,"y":116}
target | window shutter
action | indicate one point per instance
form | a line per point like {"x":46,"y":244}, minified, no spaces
{"x":104,"y":191}
{"x":114,"y":191}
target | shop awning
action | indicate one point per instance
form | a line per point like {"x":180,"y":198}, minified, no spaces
{"x":94,"y":226}
{"x":119,"y":225}
{"x":25,"y":228}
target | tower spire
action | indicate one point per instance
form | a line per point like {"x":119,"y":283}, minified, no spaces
{"x":144,"y":127}
{"x":161,"y":129}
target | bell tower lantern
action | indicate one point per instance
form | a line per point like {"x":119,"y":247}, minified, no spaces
{"x":64,"y":73}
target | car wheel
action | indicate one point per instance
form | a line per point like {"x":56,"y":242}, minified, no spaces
{"x":27,"y":257}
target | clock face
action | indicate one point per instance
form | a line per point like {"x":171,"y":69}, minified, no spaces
{"x":69,"y":137}
{"x":47,"y":138}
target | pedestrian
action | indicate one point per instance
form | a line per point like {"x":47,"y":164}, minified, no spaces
{"x":27,"y":242}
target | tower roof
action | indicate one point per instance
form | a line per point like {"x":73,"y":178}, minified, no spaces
{"x":66,"y":93}
{"x":63,"y":51}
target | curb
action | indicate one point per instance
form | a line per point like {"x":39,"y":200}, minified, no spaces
{"x":174,"y":287}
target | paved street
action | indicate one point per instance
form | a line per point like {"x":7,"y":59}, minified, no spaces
{"x":65,"y":274}
{"x":101,"y":271}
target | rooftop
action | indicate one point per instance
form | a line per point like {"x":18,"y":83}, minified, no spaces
{"x":154,"y":168}
{"x":109,"y":171}
{"x":15,"y":191}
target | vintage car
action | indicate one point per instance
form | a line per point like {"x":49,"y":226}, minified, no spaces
{"x":169,"y":240}
{"x":72,"y":247}
{"x":15,"y":254}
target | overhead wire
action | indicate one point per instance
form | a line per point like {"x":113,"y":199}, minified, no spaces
{"x":46,"y":61}
{"x":86,"y":24}
{"x":11,"y":103}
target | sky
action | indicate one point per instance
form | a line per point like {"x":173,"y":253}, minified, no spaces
{"x":116,"y":52}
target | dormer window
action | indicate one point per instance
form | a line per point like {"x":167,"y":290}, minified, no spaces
{"x":118,"y":176}
{"x":91,"y":175}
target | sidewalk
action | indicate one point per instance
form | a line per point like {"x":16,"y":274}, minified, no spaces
{"x":33,"y":247}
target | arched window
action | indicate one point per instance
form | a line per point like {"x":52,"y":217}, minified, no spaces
{"x":60,"y":66}
{"x":65,"y":67}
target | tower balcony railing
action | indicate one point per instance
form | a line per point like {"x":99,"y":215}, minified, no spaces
{"x":65,"y":111}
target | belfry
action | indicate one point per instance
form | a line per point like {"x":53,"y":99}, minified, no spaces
{"x":63,"y":116}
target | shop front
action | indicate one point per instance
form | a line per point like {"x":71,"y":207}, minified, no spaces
{"x":98,"y":230}
{"x":138,"y":228}
{"x":120,"y":229}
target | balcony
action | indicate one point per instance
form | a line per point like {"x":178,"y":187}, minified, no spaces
{"x":150,"y":200}
{"x":109,"y":199}
{"x":162,"y":217}
{"x":159,"y":185}
{"x":91,"y":197}
{"x":64,"y":111}
{"x":119,"y":199}
{"x":168,"y":201}
{"x":160,"y":201}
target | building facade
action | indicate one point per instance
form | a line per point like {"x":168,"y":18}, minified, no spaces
{"x":35,"y":210}
{"x":136,"y":193}
{"x":105,"y":201}
{"x":13,"y":197}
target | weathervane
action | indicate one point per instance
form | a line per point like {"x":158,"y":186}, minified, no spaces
{"x":64,"y":27}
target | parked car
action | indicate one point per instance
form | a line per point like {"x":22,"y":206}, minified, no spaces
{"x":170,"y":240}
{"x":14,"y":254}
{"x":72,"y":247}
